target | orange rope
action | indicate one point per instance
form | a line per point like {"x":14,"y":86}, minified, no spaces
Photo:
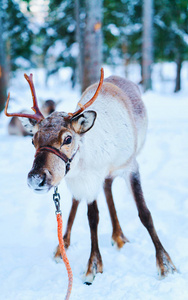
{"x":63,"y":254}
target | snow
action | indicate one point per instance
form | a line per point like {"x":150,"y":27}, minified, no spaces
{"x":28,"y":222}
{"x":113,"y":29}
{"x":58,"y":47}
{"x":21,"y":62}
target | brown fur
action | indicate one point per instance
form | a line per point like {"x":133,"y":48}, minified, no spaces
{"x":146,"y":219}
{"x":48,"y":107}
{"x":117,"y":234}
{"x":95,"y":260}
{"x":15,"y":126}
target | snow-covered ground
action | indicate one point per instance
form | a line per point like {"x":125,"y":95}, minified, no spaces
{"x":27,"y":220}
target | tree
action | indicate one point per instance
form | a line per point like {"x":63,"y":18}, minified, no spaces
{"x":3,"y":73}
{"x":80,"y":24}
{"x":18,"y":36}
{"x":58,"y":32}
{"x":171,"y":31}
{"x":70,"y":35}
{"x":74,"y":27}
{"x":147,"y":44}
{"x":92,"y":43}
{"x":15,"y":43}
{"x":122,"y":27}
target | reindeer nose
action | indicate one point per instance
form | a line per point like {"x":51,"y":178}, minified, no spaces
{"x":39,"y":181}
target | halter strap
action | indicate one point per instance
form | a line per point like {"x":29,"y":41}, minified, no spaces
{"x":56,"y":151}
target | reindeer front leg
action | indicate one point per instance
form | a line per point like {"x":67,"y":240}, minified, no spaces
{"x":95,"y":261}
{"x":164,"y":262}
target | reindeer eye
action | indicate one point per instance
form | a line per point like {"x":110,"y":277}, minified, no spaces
{"x":67,"y":140}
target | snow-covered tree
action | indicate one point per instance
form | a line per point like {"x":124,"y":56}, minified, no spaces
{"x":74,"y":37}
{"x":122,"y":27}
{"x":171,"y":34}
{"x":58,"y":32}
{"x":15,"y":43}
{"x":17,"y":35}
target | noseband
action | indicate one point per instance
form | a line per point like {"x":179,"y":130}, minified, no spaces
{"x":55,"y":151}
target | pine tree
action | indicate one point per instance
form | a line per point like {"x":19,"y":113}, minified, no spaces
{"x":59,"y":32}
{"x":171,"y":29}
{"x":122,"y":28}
{"x":66,"y":29}
{"x":17,"y":35}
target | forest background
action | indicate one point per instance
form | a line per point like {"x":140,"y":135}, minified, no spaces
{"x":84,"y":34}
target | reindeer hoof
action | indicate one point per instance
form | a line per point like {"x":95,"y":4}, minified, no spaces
{"x":165,"y":265}
{"x":88,"y":279}
{"x":119,"y":240}
{"x":57,"y":255}
{"x":94,"y":266}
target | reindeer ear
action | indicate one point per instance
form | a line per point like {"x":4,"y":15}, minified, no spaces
{"x":30,"y":125}
{"x":84,"y":121}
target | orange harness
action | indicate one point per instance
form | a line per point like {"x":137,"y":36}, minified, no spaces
{"x":56,"y":198}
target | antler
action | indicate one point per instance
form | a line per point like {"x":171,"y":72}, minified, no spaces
{"x":38,"y":116}
{"x":83,"y":107}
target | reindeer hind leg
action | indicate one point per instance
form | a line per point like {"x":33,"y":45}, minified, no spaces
{"x":118,"y":237}
{"x":163,"y":260}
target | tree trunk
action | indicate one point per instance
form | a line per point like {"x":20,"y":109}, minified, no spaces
{"x":3,"y":75}
{"x":79,"y":39}
{"x":147,"y":43}
{"x":92,"y":43}
{"x":178,"y":74}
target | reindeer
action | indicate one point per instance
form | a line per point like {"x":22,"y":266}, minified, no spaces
{"x":48,"y":107}
{"x":89,"y":148}
{"x":16,"y":126}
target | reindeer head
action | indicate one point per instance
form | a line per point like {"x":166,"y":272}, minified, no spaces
{"x":56,"y":140}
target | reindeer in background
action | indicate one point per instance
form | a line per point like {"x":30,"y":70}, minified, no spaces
{"x":89,"y":148}
{"x":15,"y":126}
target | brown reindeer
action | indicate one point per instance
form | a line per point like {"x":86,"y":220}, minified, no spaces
{"x":16,"y":126}
{"x":89,"y":148}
